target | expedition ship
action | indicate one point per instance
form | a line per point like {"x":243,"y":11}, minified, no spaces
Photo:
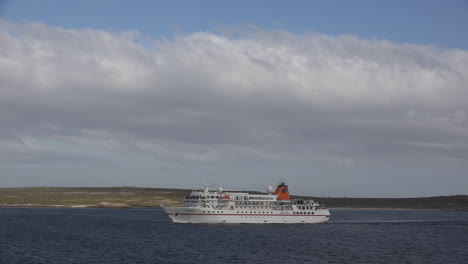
{"x":206,"y":206}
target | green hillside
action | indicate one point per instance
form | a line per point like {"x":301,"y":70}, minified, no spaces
{"x":135,"y":197}
{"x":124,"y":197}
{"x":454,"y":202}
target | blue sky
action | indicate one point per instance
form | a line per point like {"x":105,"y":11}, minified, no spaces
{"x":338,"y":98}
{"x":430,"y":22}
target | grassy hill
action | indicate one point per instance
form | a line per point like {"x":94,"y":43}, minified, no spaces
{"x":135,"y":197}
{"x":454,"y":202}
{"x":124,"y":197}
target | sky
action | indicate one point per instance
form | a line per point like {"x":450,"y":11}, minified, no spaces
{"x":337,"y":98}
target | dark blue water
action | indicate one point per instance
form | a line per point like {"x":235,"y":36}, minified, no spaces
{"x":52,"y":235}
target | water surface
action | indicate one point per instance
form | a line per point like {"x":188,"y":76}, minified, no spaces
{"x":64,"y":235}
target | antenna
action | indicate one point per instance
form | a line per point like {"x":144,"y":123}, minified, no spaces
{"x":282,"y":181}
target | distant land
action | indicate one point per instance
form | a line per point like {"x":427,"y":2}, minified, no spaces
{"x":136,"y":197}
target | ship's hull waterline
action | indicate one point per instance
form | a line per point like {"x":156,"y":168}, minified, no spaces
{"x":196,"y":216}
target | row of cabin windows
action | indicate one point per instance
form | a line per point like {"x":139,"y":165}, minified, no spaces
{"x":246,"y":212}
{"x":306,"y":213}
{"x":265,"y":207}
{"x":255,"y":212}
{"x":260,"y":198}
{"x":202,"y":197}
{"x":255,"y":203}
{"x":253,"y":207}
{"x":305,"y":207}
{"x":217,"y":212}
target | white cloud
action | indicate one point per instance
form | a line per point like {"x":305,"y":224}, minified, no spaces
{"x":216,"y":99}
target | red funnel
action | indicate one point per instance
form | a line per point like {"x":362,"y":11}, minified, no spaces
{"x":282,"y":192}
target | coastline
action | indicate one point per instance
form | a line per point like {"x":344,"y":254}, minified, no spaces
{"x":158,"y":207}
{"x":137,"y":197}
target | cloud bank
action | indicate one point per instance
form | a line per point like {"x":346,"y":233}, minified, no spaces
{"x":343,"y":114}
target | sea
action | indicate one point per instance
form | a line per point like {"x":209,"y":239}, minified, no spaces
{"x":81,"y":235}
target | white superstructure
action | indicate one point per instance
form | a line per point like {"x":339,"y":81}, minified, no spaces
{"x":206,"y":206}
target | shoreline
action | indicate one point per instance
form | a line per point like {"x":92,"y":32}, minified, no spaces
{"x":158,"y":207}
{"x":137,"y":197}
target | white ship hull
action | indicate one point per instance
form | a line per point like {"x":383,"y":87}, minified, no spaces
{"x":217,"y":207}
{"x":207,"y":216}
